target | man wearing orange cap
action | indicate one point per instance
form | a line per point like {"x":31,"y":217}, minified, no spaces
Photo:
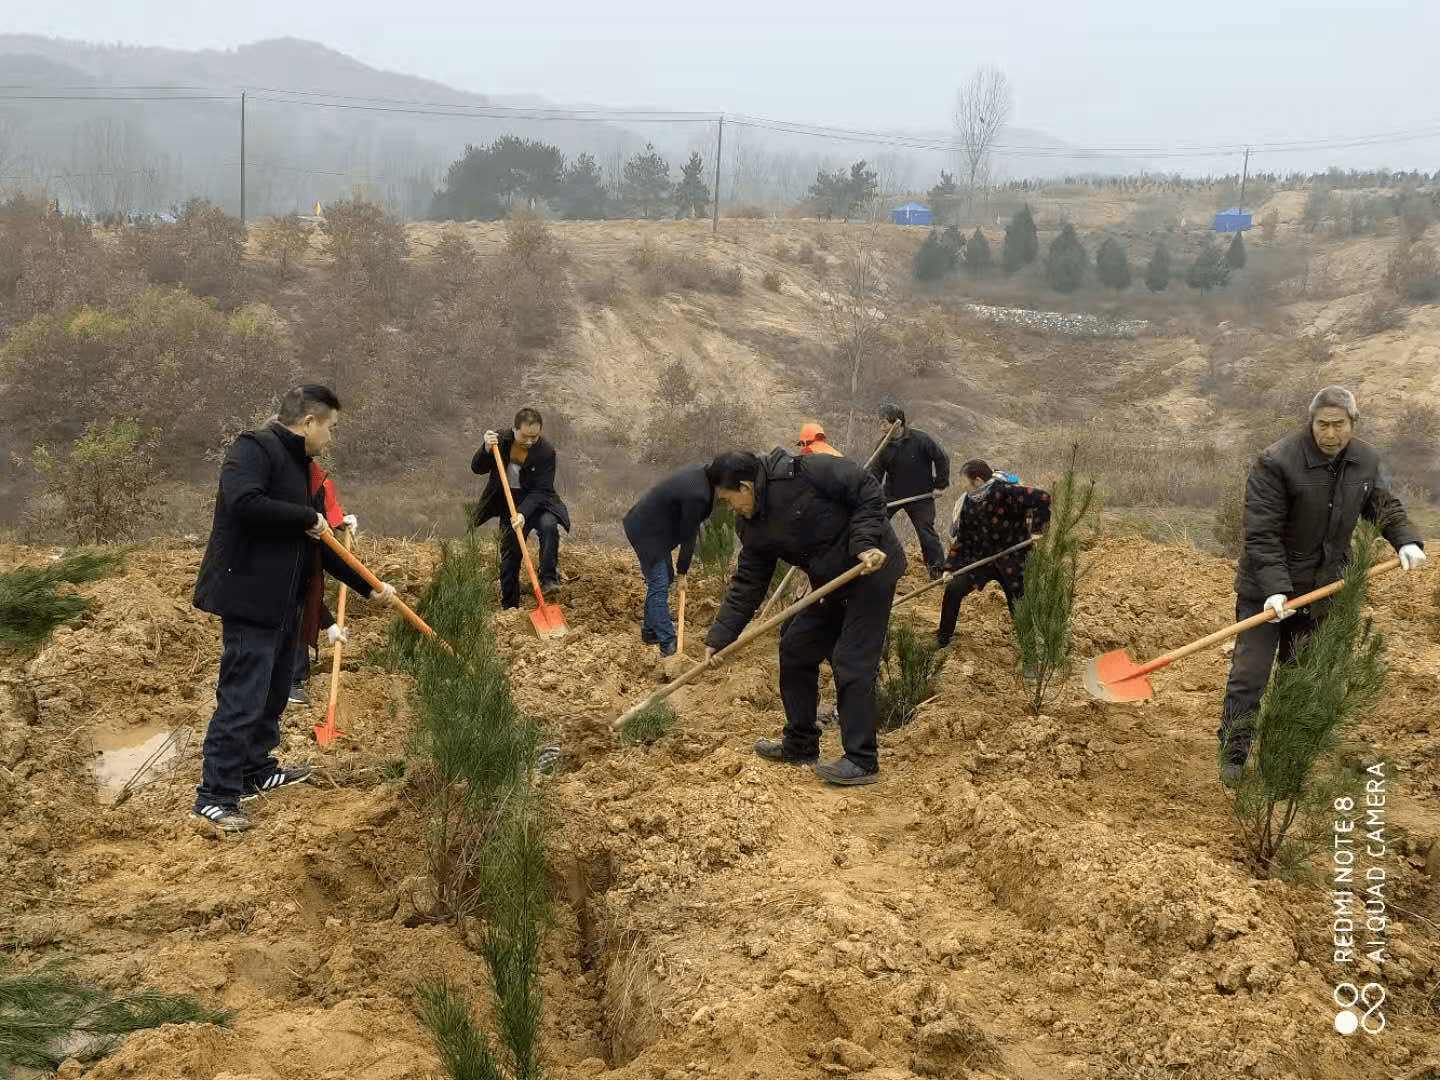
{"x":813,"y":441}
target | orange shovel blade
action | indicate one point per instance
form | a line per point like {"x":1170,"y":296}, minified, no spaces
{"x":325,"y":733}
{"x":1113,"y":677}
{"x":548,"y":621}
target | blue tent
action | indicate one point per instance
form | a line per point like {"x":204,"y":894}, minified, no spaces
{"x":1234,"y":220}
{"x":911,"y":214}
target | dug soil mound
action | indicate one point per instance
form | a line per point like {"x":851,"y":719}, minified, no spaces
{"x":1060,"y":895}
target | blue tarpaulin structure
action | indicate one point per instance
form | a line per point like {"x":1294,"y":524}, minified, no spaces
{"x":911,"y":214}
{"x":1234,"y":220}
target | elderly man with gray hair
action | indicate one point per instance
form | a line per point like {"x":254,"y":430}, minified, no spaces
{"x":1303,"y":498}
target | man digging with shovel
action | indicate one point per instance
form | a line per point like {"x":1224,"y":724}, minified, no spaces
{"x":257,"y":566}
{"x":1303,"y":498}
{"x":824,"y":515}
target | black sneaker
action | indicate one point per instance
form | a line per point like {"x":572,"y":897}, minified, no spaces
{"x":299,"y":695}
{"x":844,"y":771}
{"x":281,"y":778}
{"x":774,"y":750}
{"x":549,"y":759}
{"x":223,"y":817}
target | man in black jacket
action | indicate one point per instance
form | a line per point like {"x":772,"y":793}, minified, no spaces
{"x":667,"y":516}
{"x":257,"y":566}
{"x":822,"y":514}
{"x":914,"y":464}
{"x":530,"y":471}
{"x":1303,"y":498}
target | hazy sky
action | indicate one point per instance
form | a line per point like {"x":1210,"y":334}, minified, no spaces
{"x":1114,"y":73}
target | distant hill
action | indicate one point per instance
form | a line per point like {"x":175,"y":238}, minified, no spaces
{"x":375,"y":136}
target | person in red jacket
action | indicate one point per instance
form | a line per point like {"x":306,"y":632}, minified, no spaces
{"x":313,"y":612}
{"x":813,"y":441}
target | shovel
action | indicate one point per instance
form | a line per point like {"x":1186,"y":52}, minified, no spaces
{"x":410,"y":617}
{"x":894,"y":503}
{"x":326,"y":732}
{"x":1114,"y":677}
{"x":546,"y":619}
{"x":913,"y":594}
{"x":786,"y":578}
{"x":745,"y":639}
{"x":680,"y":620}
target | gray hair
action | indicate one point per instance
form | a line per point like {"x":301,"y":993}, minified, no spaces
{"x":1335,"y":398}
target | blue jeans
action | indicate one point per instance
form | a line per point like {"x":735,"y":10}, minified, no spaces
{"x":257,"y":665}
{"x":656,"y":625}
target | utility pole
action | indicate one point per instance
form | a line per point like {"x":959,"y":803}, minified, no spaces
{"x":715,"y":213}
{"x":1244,"y":166}
{"x":242,"y":157}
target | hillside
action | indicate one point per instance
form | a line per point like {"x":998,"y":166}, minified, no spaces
{"x":1049,"y":897}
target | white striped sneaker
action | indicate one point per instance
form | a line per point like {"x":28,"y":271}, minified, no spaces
{"x":224,"y":818}
{"x":289,"y":775}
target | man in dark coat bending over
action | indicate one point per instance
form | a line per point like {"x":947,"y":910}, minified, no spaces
{"x":530,"y":471}
{"x":914,"y":464}
{"x":668,"y":516}
{"x":257,"y":568}
{"x":824,"y":515}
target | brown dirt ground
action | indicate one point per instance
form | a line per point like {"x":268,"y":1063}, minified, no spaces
{"x":1019,"y":897}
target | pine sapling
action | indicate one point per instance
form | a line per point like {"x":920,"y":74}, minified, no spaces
{"x":910,"y":674}
{"x":1282,"y":801}
{"x":1042,"y":620}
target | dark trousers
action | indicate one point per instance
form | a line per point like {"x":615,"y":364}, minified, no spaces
{"x":848,"y":628}
{"x":546,"y":525}
{"x":923,"y":517}
{"x":257,"y":665}
{"x":959,"y":587}
{"x":1256,"y":650}
{"x":302,"y":664}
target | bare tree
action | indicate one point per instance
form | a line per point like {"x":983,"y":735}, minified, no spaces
{"x":853,"y":310}
{"x":983,"y":106}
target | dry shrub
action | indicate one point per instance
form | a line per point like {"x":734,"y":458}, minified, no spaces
{"x":100,"y":491}
{"x":643,"y":256}
{"x":1415,"y":446}
{"x":1381,"y":313}
{"x":691,"y":274}
{"x":367,"y":248}
{"x":925,"y":343}
{"x":50,"y":261}
{"x":1412,"y":271}
{"x":772,"y":281}
{"x":805,"y":254}
{"x":751,"y":212}
{"x":283,"y":240}
{"x":202,"y":250}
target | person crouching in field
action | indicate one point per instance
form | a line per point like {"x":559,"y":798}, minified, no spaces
{"x":261,"y":557}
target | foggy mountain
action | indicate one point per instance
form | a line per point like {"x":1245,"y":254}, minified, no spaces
{"x":99,"y":128}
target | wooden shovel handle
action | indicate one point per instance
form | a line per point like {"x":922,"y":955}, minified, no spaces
{"x":359,"y":568}
{"x":1264,"y":616}
{"x":913,"y":594}
{"x":680,"y":620}
{"x":519,"y":537}
{"x":745,"y":639}
{"x":335,"y":657}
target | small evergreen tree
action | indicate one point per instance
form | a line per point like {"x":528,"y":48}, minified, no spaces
{"x":831,"y":192}
{"x":1066,"y":261}
{"x":645,"y":184}
{"x":1158,"y":270}
{"x":1236,"y":253}
{"x":978,"y":255}
{"x":955,"y":244}
{"x":717,"y":545}
{"x":933,"y":261}
{"x":945,"y":198}
{"x":1042,"y":620}
{"x":582,"y":194}
{"x":862,"y":186}
{"x":1283,"y":802}
{"x":910,"y":673}
{"x":692,"y":194}
{"x":1021,"y":245}
{"x":1112,"y":266}
{"x":1209,"y":271}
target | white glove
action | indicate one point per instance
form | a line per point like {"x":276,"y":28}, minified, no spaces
{"x":321,"y":528}
{"x":1276,"y":602}
{"x":872,"y":559}
{"x":490,"y":439}
{"x":384,"y":593}
{"x":351,"y":522}
{"x":1411,"y":556}
{"x":710,"y":652}
{"x":517,"y":522}
{"x":336,"y":633}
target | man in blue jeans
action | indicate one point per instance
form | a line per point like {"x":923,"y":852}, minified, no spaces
{"x":668,"y":516}
{"x":258,"y":564}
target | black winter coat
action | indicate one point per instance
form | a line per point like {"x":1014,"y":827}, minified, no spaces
{"x":815,"y":511}
{"x":912,"y":464}
{"x":1300,"y":511}
{"x":258,"y":561}
{"x":537,"y":482}
{"x":670,"y":515}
